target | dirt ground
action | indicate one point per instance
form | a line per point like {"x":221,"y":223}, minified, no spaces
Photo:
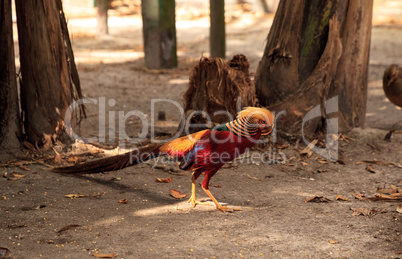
{"x":38,"y":221}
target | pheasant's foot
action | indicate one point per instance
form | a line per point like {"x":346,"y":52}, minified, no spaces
{"x":225,"y":209}
{"x":193,"y":201}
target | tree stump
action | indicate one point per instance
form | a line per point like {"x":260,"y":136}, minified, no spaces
{"x":217,"y":86}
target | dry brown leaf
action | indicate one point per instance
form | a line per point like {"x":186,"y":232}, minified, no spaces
{"x":378,"y":197}
{"x":77,"y":195}
{"x":72,"y":196}
{"x":177,"y":194}
{"x":399,"y":208}
{"x":254,"y":178}
{"x":164,"y":180}
{"x":333,"y":242}
{"x":359,"y":196}
{"x":304,"y":163}
{"x":218,"y":186}
{"x":309,"y":149}
{"x":379,"y":163}
{"x":341,"y":198}
{"x":21,"y":165}
{"x":396,"y":188}
{"x":386,"y":191}
{"x":123,"y":201}
{"x":317,"y":199}
{"x":370,"y":169}
{"x":383,"y":196}
{"x":68,"y":227}
{"x":72,"y":159}
{"x":16,"y":226}
{"x":13,"y":176}
{"x":282,"y":146}
{"x":58,"y":159}
{"x":111,"y":255}
{"x":367,"y":211}
{"x":361,"y":211}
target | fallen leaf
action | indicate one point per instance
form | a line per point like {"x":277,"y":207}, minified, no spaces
{"x":77,"y":195}
{"x":396,"y":188}
{"x":361,"y":211}
{"x":72,"y":159}
{"x":359,"y":196}
{"x":4,"y":252}
{"x":58,"y":159}
{"x":317,"y":199}
{"x":123,"y":201}
{"x":386,"y":190}
{"x":254,"y":178}
{"x":341,"y":198}
{"x":308,"y":151}
{"x":399,"y":208}
{"x":105,"y":255}
{"x":379,"y":197}
{"x":72,"y":196}
{"x":333,"y":242}
{"x":379,"y":163}
{"x":177,"y":194}
{"x":304,"y":163}
{"x":282,"y":146}
{"x":16,"y":226}
{"x":399,"y":252}
{"x":13,"y":176}
{"x":164,"y":180}
{"x":68,"y":227}
{"x":218,"y":186}
{"x":367,"y":211}
{"x":370,"y":169}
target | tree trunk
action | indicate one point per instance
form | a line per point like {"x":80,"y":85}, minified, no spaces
{"x":49,"y":77}
{"x":317,"y":50}
{"x":159,"y":30}
{"x":10,"y":130}
{"x":217,"y":37}
{"x":101,"y":17}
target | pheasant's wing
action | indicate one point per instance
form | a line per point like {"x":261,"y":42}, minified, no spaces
{"x":180,"y":147}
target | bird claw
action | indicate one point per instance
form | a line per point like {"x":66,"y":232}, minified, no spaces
{"x":225,"y":209}
{"x":194,"y":202}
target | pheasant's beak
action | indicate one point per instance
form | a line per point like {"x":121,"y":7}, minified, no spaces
{"x":266,"y":129}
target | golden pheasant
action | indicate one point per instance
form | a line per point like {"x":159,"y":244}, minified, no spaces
{"x":202,"y":152}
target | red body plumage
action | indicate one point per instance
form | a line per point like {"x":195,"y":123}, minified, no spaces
{"x":204,"y":151}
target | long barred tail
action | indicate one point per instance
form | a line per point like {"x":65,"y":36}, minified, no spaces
{"x":112,"y":163}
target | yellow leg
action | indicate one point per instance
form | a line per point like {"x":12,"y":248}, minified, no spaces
{"x":192,"y":199}
{"x":218,"y":206}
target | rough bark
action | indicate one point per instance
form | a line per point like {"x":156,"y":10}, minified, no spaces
{"x":159,"y":32}
{"x":10,"y":130}
{"x":217,"y":37}
{"x":47,"y":70}
{"x":102,"y":17}
{"x":316,"y":50}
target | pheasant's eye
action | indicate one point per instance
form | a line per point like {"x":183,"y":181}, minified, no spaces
{"x":262,"y":121}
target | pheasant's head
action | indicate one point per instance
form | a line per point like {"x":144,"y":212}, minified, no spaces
{"x":254,"y":119}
